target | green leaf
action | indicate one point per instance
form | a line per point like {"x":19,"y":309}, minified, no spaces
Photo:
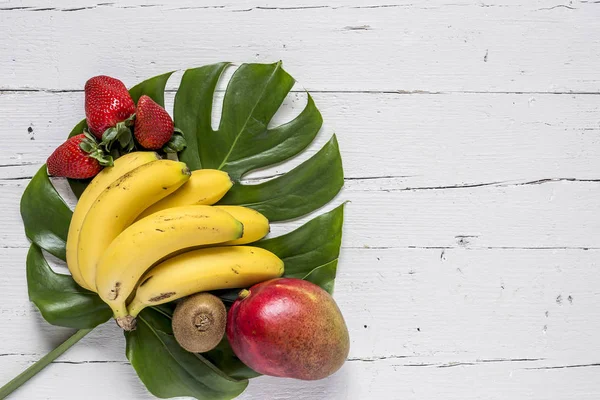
{"x":192,"y":110}
{"x":302,"y":190}
{"x":314,"y":244}
{"x":86,"y":146}
{"x":225,"y":359}
{"x":176,"y":143}
{"x":79,"y":128}
{"x":253,"y":96}
{"x":125,"y":138}
{"x":278,"y":144}
{"x":153,"y":88}
{"x":45,"y":215}
{"x":60,"y":300}
{"x":78,"y":185}
{"x":323,"y":276}
{"x":169,"y":371}
{"x":243,"y":141}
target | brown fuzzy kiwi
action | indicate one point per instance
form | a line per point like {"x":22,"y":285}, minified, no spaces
{"x":199,"y":322}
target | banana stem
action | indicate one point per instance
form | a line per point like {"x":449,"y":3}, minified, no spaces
{"x":127,"y":323}
{"x":42,"y":363}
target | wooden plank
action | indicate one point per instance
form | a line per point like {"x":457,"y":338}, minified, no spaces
{"x":422,"y":140}
{"x":499,"y":46}
{"x":382,"y":379}
{"x":292,"y":5}
{"x":549,"y":215}
{"x":438,"y":306}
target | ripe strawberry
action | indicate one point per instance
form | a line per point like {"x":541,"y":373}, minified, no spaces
{"x":107,"y":105}
{"x":79,"y":157}
{"x":153,"y":125}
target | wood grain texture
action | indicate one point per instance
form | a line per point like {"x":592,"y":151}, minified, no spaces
{"x":470,"y":137}
{"x":450,"y":305}
{"x":382,"y":215}
{"x":381,"y":379}
{"x":437,"y":46}
{"x":422,"y":140}
{"x":512,"y":320}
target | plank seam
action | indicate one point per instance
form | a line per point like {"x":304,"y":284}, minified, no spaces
{"x":391,"y":92}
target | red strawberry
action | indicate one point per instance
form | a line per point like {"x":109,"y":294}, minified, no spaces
{"x":78,"y":157}
{"x":153,"y":125}
{"x":107,"y":103}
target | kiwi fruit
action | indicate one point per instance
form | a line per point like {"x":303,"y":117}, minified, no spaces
{"x":199,"y":322}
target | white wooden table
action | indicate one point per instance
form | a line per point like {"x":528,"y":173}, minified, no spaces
{"x":470,"y":133}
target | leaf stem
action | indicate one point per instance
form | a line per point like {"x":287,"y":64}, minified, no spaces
{"x":42,"y":363}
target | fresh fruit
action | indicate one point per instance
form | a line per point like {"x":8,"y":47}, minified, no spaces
{"x":70,"y":160}
{"x":149,"y":240}
{"x":205,"y":186}
{"x":108,"y":175}
{"x":256,"y":225}
{"x":204,"y":270}
{"x":199,"y":322}
{"x":118,"y":206}
{"x":288,"y":328}
{"x":153,"y":124}
{"x":108,"y":105}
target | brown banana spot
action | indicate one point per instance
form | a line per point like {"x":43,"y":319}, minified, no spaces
{"x":114,"y":292}
{"x":172,"y":218}
{"x":161,"y":297}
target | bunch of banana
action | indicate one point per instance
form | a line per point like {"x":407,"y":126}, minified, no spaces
{"x":142,"y":230}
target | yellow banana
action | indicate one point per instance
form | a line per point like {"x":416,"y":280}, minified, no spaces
{"x":205,"y":187}
{"x":256,"y":225}
{"x":107,"y":176}
{"x":118,"y":206}
{"x":202,"y":270}
{"x":145,"y":242}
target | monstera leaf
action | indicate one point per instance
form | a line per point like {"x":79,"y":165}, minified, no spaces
{"x":244,"y":142}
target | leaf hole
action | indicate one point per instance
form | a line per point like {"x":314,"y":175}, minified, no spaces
{"x":170,"y":89}
{"x":56,"y":264}
{"x":64,"y":190}
{"x":219,"y":95}
{"x":292,"y":106}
